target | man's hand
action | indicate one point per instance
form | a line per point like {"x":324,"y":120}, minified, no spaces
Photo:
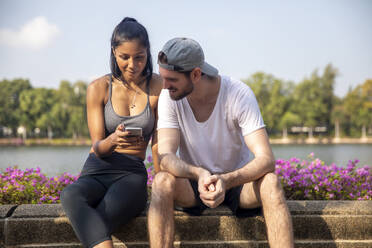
{"x":212,"y":190}
{"x":203,"y":176}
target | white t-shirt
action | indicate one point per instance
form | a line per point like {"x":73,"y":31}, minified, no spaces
{"x":216,"y":144}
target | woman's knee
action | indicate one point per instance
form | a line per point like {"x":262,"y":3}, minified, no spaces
{"x":137,"y":182}
{"x":134,"y":189}
{"x":66,"y":195}
{"x":70,"y":195}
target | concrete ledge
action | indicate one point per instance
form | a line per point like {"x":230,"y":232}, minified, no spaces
{"x":5,"y":212}
{"x":316,"y":224}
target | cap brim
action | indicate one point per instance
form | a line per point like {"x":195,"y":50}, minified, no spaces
{"x":209,"y":70}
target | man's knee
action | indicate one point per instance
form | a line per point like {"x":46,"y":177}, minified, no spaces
{"x":271,"y":189}
{"x":271,"y":180}
{"x":163,"y":182}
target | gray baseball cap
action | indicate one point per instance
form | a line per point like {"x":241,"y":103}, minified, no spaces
{"x":184,"y":54}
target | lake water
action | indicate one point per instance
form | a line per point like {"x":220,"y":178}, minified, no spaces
{"x":56,"y":160}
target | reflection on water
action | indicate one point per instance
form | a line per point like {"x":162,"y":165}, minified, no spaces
{"x":56,"y":160}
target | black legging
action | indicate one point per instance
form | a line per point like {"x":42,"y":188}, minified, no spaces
{"x":98,"y":204}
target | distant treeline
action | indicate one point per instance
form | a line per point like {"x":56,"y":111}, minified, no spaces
{"x":309,"y":105}
{"x":43,"y":112}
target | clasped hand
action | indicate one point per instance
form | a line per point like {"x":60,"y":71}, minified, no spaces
{"x":212,"y":189}
{"x":124,"y":139}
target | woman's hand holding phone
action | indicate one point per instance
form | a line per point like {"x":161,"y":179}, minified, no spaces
{"x":125,"y":138}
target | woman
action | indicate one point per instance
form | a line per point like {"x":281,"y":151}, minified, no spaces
{"x":112,"y":187}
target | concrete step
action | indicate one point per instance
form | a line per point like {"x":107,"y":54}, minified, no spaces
{"x":223,"y":244}
{"x":316,"y":224}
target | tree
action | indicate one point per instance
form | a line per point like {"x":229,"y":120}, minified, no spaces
{"x":77,"y":110}
{"x":34,"y":103}
{"x":68,"y":112}
{"x":77,"y":122}
{"x":288,"y":119}
{"x":358,"y":108}
{"x":327,"y":82}
{"x":46,"y":122}
{"x":313,"y":99}
{"x":306,"y":103}
{"x":10,"y":113}
{"x":367,"y":105}
{"x":272,"y":96}
{"x":60,"y":118}
{"x":338,"y":115}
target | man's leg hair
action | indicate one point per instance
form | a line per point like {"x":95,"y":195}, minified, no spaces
{"x":268,"y":192}
{"x":166,"y":190}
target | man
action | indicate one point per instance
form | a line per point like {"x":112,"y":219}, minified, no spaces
{"x":214,"y":121}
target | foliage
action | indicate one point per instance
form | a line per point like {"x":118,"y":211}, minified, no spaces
{"x":311,"y":102}
{"x":31,"y":186}
{"x":338,"y":116}
{"x":35,"y":104}
{"x":273,"y":97}
{"x":314,"y":180}
{"x":302,"y":180}
{"x":10,"y":111}
{"x":150,"y":171}
{"x":358,"y":107}
{"x":313,"y":98}
{"x":55,"y":112}
{"x":289,"y":119}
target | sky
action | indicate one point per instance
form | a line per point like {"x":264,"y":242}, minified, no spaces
{"x":48,"y":41}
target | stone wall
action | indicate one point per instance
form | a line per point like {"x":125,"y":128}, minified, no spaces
{"x":329,"y":224}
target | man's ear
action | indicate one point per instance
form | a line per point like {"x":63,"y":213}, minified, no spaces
{"x":196,"y":74}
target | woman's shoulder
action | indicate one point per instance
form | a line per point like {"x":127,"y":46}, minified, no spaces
{"x":156,"y":84}
{"x":100,"y":84}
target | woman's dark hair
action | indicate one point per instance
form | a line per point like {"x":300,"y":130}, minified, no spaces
{"x":127,"y":30}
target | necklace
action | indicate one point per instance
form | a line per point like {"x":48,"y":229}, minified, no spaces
{"x":133,"y":104}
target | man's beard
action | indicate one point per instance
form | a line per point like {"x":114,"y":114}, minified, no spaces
{"x":184,"y":93}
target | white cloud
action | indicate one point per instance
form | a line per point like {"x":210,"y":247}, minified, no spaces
{"x":35,"y":34}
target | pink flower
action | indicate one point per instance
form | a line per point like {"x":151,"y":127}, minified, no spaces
{"x":149,"y":159}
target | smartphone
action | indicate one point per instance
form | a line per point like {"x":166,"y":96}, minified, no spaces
{"x":134,"y":131}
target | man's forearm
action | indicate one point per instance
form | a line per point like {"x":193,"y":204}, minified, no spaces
{"x":171,"y":163}
{"x":252,"y":171}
